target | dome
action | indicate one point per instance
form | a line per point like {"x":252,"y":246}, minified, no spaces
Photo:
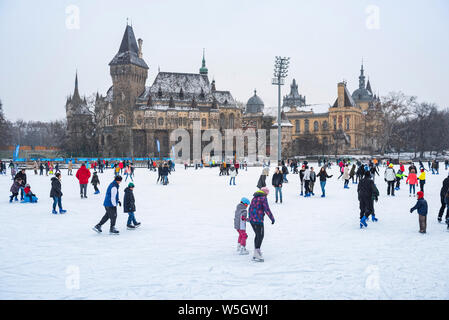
{"x":254,"y":104}
{"x":362,"y":94}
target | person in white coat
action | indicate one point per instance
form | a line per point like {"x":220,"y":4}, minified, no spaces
{"x":390,"y":178}
{"x":233,"y":174}
{"x":307,"y":181}
{"x":346,"y":171}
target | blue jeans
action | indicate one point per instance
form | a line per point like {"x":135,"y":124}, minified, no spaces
{"x":412,"y":186}
{"x":57,"y":200}
{"x":323,"y":185}
{"x":131,"y":218}
{"x":285,"y":177}
{"x":278,"y":191}
{"x":232,"y":180}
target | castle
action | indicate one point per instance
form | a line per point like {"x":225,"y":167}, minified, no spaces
{"x":131,"y":117}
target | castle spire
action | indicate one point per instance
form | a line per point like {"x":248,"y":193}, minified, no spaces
{"x":203,"y":69}
{"x":362,"y":78}
{"x":76,"y":94}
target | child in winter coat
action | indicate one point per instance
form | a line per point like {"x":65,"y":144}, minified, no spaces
{"x":15,"y":189}
{"x":29,"y":194}
{"x":421,"y":206}
{"x":129,"y":206}
{"x":346,"y":176}
{"x":240,"y":219}
{"x":399,"y":176}
{"x":412,"y":180}
{"x":95,"y":181}
{"x":422,"y":179}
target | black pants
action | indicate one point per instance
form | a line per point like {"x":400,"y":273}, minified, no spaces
{"x":390,"y":188}
{"x":366,"y":207}
{"x":443,"y":206}
{"x":111,"y":213}
{"x":421,"y":185}
{"x":306,"y":186}
{"x":95,"y":188}
{"x":258,"y":230}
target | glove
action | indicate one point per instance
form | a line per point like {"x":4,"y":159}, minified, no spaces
{"x":272,"y":221}
{"x":411,"y":211}
{"x":119,"y":203}
{"x":385,"y":180}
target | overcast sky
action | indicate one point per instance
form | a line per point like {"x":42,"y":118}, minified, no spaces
{"x":404,"y":43}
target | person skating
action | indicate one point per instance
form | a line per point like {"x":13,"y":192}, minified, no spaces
{"x":159,"y":173}
{"x":165,"y":172}
{"x":83,"y":175}
{"x":35,"y":167}
{"x":41,"y":169}
{"x":129,"y":206}
{"x":367,"y":194}
{"x":56,"y":193}
{"x":412,"y":181}
{"x":111,"y":201}
{"x":312,"y":180}
{"x":284,"y":173}
{"x":233,"y":175}
{"x":70,"y":168}
{"x":399,"y":176}
{"x":346,"y":177}
{"x":95,"y":182}
{"x":23,"y":177}
{"x":240,"y":218}
{"x":15,"y":189}
{"x":422,"y":179}
{"x":421,"y":207}
{"x":257,"y":211}
{"x":301,"y":178}
{"x":323,"y":178}
{"x":352,"y":174}
{"x":390,"y":177}
{"x":307,"y":182}
{"x":443,"y":196}
{"x":277,"y":181}
{"x":262,"y":179}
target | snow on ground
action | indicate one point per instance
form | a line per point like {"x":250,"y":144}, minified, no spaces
{"x":185,"y":248}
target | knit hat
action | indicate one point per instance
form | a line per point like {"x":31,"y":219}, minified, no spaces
{"x":391,"y":165}
{"x":420,"y":194}
{"x":266,"y":190}
{"x":131,"y":185}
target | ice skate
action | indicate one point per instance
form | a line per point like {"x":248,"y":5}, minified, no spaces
{"x":373,"y":218}
{"x":243,"y":251}
{"x":137,"y":224}
{"x":113,"y":231}
{"x":54,"y":212}
{"x":97,"y":228}
{"x":130,"y":227}
{"x":363,"y":222}
{"x":257,"y":255}
{"x":62,"y":211}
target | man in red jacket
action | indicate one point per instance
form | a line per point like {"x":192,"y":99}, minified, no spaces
{"x":83,"y":175}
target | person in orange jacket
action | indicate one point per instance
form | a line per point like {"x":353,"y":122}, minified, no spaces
{"x":83,"y":175}
{"x":412,"y":181}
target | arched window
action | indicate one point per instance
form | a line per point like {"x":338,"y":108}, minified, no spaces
{"x":180,"y":121}
{"x":315,"y":126}
{"x":325,"y":141}
{"x":222,"y":121}
{"x":231,"y":121}
{"x":306,"y":125}
{"x":121,"y":119}
{"x":184,"y":122}
{"x":204,"y":122}
{"x":160,"y":121}
{"x":108,"y":120}
{"x":335,"y":123}
{"x":297,"y":128}
{"x":325,"y":125}
{"x":347,"y":122}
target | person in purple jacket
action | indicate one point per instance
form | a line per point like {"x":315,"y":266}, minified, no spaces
{"x":257,"y":210}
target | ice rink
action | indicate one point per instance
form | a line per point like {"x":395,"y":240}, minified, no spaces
{"x":186,"y":245}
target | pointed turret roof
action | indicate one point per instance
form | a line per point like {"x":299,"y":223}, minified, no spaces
{"x":76,"y":94}
{"x":128,"y":52}
{"x":203,"y":69}
{"x":368,"y":87}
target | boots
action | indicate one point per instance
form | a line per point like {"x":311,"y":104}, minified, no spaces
{"x":373,"y":217}
{"x":363,"y":222}
{"x":257,"y":255}
{"x":239,"y":247}
{"x":113,"y":231}
{"x":97,"y":228}
{"x":243,"y":251}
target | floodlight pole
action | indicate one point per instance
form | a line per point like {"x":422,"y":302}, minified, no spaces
{"x":280,"y":72}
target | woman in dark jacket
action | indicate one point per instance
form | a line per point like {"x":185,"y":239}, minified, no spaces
{"x":129,"y":206}
{"x":323,"y":177}
{"x":56,"y":193}
{"x":261,"y":183}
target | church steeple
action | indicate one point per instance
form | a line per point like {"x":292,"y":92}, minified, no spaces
{"x":76,"y":94}
{"x":203,"y":69}
{"x":362,"y":78}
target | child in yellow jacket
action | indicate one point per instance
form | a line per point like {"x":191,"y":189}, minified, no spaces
{"x":422,"y":179}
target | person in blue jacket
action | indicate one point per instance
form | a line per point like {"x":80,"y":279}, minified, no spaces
{"x":111,"y":201}
{"x":421,"y":206}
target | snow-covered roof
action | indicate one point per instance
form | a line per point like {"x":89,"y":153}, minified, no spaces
{"x":172,"y":82}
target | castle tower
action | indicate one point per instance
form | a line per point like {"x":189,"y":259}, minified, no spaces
{"x":128,"y":70}
{"x":203,"y":69}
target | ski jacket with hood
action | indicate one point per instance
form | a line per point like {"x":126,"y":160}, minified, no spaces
{"x":55,"y":188}
{"x":83,"y":175}
{"x":390,"y":174}
{"x":240,"y":217}
{"x":259,"y":208}
{"x":129,"y":203}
